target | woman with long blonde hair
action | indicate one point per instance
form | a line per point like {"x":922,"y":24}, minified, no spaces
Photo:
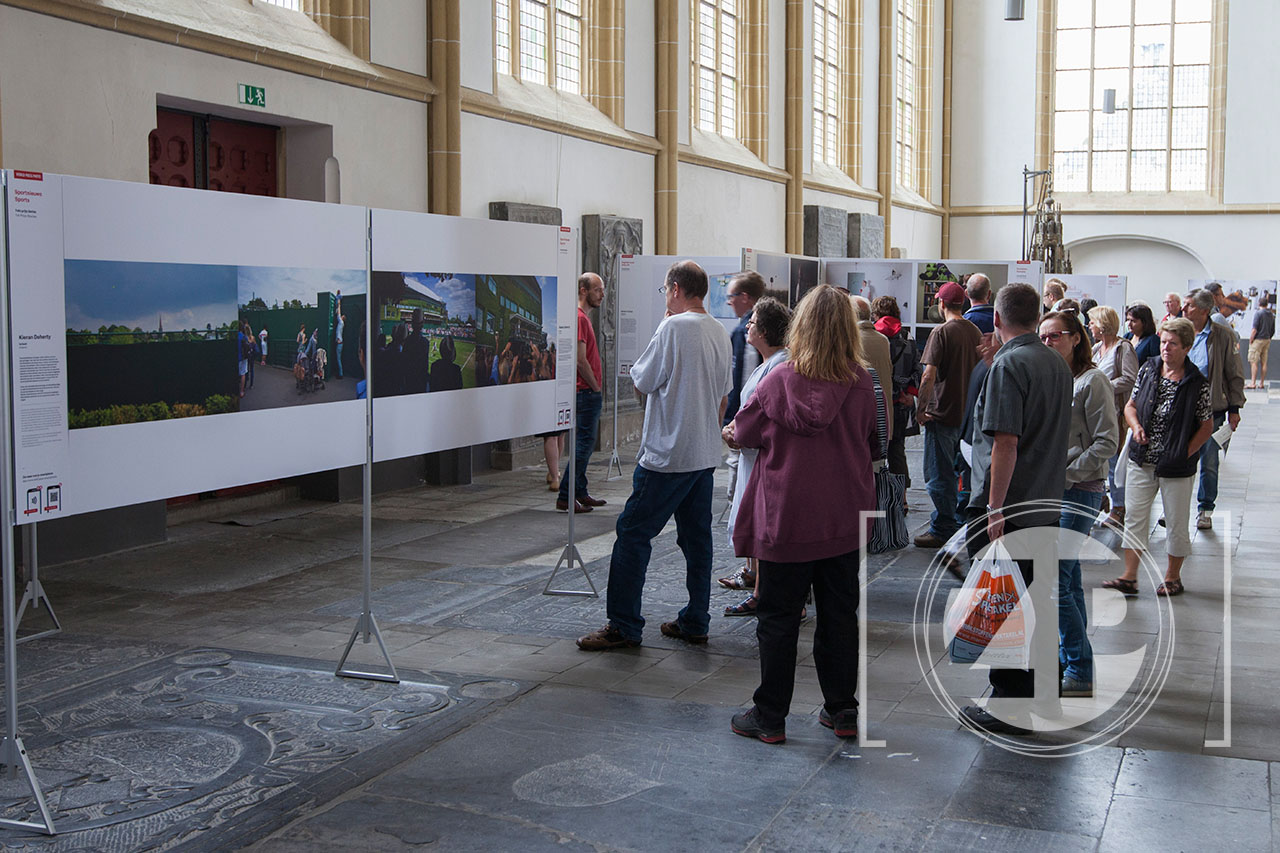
{"x":803,"y":514}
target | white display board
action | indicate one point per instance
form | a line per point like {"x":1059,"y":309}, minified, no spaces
{"x":1253,"y":291}
{"x":1103,"y":289}
{"x":869,"y":277}
{"x":642,"y":305}
{"x":126,"y":301}
{"x":518,"y":284}
{"x":931,"y":274}
{"x":794,"y":275}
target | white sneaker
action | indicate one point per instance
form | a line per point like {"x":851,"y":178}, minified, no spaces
{"x":1204,"y":521}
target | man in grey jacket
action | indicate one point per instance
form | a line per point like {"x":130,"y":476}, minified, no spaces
{"x":1216,"y":351}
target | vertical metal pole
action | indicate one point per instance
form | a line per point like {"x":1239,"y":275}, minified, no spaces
{"x":1024,"y":214}
{"x":12,"y":753}
{"x":366,"y":625}
{"x":614,"y":458}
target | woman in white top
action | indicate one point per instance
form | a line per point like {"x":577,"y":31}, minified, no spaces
{"x":767,"y":332}
{"x":1116,"y":358}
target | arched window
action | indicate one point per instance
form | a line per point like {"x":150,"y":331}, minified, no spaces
{"x":1157,"y":56}
{"x":716,"y":66}
{"x":913,"y":67}
{"x":540,"y":41}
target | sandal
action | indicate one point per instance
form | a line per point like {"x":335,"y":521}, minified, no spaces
{"x":1170,"y":589}
{"x":746,"y":607}
{"x":741,"y":579}
{"x":1125,"y":587}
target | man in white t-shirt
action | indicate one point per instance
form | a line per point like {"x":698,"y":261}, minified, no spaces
{"x":685,"y":376}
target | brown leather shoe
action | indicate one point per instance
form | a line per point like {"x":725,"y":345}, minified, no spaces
{"x":605,"y":639}
{"x":578,"y":506}
{"x":587,"y":500}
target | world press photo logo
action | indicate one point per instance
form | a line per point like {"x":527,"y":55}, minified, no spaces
{"x":1134,"y":637}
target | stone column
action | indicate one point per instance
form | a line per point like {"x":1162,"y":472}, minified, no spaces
{"x":604,"y":238}
{"x":509,"y":454}
{"x":826,"y":231}
{"x":866,"y":235}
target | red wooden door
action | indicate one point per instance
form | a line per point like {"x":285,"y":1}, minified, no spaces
{"x":242,"y":157}
{"x":173,"y":149}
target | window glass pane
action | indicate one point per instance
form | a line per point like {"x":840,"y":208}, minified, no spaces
{"x":1070,"y":171}
{"x":573,"y":7}
{"x":1108,"y":171}
{"x":1150,"y":87}
{"x":1193,"y":10}
{"x":1149,"y":11}
{"x":817,"y":134}
{"x":1190,"y":171}
{"x":728,"y":106}
{"x":1110,"y":13}
{"x":1151,"y":45}
{"x":1073,"y":49}
{"x":1071,"y":90}
{"x":1071,"y":130}
{"x":728,"y":45}
{"x":568,"y":53}
{"x":1191,"y":44}
{"x":1073,"y":15}
{"x":502,"y":36}
{"x":1191,"y":128}
{"x":533,"y":42}
{"x":1111,"y":132}
{"x":1148,"y":171}
{"x":1191,"y":86}
{"x":1151,"y":128}
{"x":707,"y":99}
{"x":1111,"y":78}
{"x":1111,"y":47}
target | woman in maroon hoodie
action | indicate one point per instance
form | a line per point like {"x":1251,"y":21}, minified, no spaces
{"x":803,"y":512}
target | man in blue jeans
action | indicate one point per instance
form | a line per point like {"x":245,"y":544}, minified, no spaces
{"x":590,"y":376}
{"x":949,"y":358}
{"x":684,"y":375}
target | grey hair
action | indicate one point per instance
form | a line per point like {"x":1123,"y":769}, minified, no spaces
{"x":861,"y":307}
{"x":1201,"y":298}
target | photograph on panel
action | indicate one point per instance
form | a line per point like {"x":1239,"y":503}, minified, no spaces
{"x":150,"y":341}
{"x":1239,"y":300}
{"x":449,"y":331}
{"x":299,"y":336}
{"x":718,"y":296}
{"x":934,"y":274}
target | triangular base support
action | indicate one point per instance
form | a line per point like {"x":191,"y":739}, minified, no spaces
{"x":368,"y":626}
{"x":14,"y":756}
{"x":614,"y":462}
{"x":568,"y":559}
{"x":37,"y":597}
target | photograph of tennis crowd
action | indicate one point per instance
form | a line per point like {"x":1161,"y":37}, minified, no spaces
{"x":447,"y":331}
{"x":157,"y":341}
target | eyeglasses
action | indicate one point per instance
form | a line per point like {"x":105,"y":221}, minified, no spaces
{"x":729,"y":296}
{"x":1052,"y":337}
{"x":662,"y":288}
{"x":751,"y":322}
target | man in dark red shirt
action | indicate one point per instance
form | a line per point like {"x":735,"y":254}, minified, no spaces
{"x":590,"y":377}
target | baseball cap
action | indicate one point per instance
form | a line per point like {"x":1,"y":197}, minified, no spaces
{"x":951,"y":294}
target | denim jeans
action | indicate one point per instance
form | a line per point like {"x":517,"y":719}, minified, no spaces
{"x":1117,"y":489}
{"x":1079,"y":511}
{"x":941,"y":446}
{"x":655,"y":498}
{"x":1209,"y":458}
{"x":337,"y":362}
{"x":584,"y":441}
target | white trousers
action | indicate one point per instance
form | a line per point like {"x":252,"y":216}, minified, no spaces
{"x":1141,"y":486}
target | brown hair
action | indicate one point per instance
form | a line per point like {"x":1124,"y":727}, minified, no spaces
{"x":823,"y":337}
{"x":749,"y":282}
{"x":772,"y":318}
{"x":886,"y":306}
{"x":1081,"y":353}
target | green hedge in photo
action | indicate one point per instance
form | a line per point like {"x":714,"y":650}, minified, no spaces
{"x":215,"y":404}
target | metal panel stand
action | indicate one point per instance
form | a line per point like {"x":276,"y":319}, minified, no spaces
{"x":569,"y":557}
{"x":366,"y":625}
{"x":614,"y":460}
{"x":34,"y":594}
{"x":13,"y":755}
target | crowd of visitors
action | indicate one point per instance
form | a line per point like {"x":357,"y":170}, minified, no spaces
{"x":1037,"y":413}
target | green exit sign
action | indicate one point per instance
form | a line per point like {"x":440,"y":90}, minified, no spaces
{"x":254,"y":96}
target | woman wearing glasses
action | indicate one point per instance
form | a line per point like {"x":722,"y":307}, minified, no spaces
{"x":1091,"y":441}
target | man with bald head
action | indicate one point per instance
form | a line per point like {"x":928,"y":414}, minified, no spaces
{"x":981,"y":312}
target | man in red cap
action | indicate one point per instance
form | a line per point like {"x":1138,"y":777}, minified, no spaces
{"x":949,"y":358}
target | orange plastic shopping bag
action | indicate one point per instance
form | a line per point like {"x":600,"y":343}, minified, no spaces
{"x":991,"y":621}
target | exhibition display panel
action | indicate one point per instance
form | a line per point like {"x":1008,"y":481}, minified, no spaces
{"x":166,"y":341}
